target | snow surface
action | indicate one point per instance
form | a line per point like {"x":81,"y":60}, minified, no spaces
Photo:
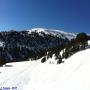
{"x":1,"y":44}
{"x":88,"y":42}
{"x":73,"y":74}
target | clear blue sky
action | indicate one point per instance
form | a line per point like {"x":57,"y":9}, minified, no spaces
{"x":69,"y":15}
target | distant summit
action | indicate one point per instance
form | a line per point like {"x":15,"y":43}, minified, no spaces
{"x":54,"y":32}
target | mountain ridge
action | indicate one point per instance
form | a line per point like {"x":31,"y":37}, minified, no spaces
{"x":35,"y":43}
{"x":53,"y":32}
{"x":22,"y":45}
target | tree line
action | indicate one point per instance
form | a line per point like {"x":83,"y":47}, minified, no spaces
{"x":74,"y":45}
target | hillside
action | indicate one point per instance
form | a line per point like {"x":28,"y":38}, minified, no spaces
{"x":73,"y":74}
{"x":33,"y":43}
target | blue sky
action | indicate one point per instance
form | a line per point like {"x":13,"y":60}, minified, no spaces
{"x":68,"y":15}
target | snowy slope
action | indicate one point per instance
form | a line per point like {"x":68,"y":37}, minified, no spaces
{"x":71,"y":75}
{"x":16,"y":74}
{"x":54,"y":32}
{"x":74,"y":74}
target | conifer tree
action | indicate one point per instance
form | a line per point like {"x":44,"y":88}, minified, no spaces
{"x":82,"y":40}
{"x":2,"y":61}
{"x":43,"y":59}
{"x":59,"y":59}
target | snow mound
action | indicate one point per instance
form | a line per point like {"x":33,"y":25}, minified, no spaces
{"x":88,"y":42}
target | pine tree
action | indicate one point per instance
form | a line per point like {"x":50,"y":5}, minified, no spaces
{"x":43,"y":60}
{"x":2,"y":61}
{"x":82,"y":40}
{"x":59,"y":59}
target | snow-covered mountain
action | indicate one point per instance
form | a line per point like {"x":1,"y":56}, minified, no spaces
{"x":73,"y":74}
{"x":54,"y":32}
{"x":22,"y":45}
